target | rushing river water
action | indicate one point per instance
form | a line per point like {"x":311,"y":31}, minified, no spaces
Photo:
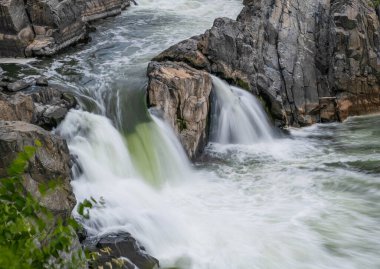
{"x":309,"y":200}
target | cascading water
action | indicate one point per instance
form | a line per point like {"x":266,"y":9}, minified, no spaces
{"x":310,"y":202}
{"x":151,"y":152}
{"x":237,"y":116}
{"x":273,"y":205}
{"x":157,"y":153}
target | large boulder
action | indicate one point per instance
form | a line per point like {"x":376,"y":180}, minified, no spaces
{"x":51,"y":162}
{"x":182,"y":94}
{"x":122,"y":246}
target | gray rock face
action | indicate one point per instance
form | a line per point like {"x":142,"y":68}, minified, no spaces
{"x":99,"y":9}
{"x":51,"y":162}
{"x":43,"y":27}
{"x":319,"y":60}
{"x":51,"y":106}
{"x":19,"y":107}
{"x":310,"y":61}
{"x":182,"y":94}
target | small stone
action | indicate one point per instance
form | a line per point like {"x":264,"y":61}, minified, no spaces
{"x":42,"y":81}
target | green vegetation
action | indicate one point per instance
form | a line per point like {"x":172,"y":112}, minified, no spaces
{"x":181,"y":124}
{"x":242,"y":84}
{"x":31,"y":236}
{"x":376,"y":3}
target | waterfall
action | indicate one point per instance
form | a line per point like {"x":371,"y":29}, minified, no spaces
{"x":157,"y":153}
{"x":151,"y":152}
{"x":237,"y":116}
{"x":99,"y":148}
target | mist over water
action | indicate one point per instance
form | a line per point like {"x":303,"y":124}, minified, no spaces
{"x":307,"y":201}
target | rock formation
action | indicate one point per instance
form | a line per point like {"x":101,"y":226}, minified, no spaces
{"x":309,"y":61}
{"x":51,"y":162}
{"x":121,"y":245}
{"x":39,"y":27}
{"x":182,"y":93}
{"x":44,"y":106}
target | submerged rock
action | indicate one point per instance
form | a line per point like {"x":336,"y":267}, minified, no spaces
{"x":51,"y":162}
{"x":116,"y":247}
{"x":182,"y":94}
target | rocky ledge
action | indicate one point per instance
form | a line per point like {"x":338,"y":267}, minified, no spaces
{"x":309,"y":61}
{"x":182,"y":93}
{"x":27,"y":116}
{"x":43,"y":27}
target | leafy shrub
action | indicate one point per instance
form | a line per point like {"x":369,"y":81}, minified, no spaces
{"x":30,"y":236}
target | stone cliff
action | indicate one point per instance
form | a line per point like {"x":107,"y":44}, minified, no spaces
{"x":40,"y":27}
{"x":309,"y":61}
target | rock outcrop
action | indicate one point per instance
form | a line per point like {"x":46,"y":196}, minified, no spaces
{"x":40,"y":27}
{"x":309,"y":61}
{"x":44,"y":106}
{"x":182,"y":94}
{"x":51,"y":162}
{"x":20,"y":114}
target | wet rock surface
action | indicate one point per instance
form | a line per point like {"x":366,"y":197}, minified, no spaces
{"x":39,"y":28}
{"x":182,"y":94}
{"x":116,"y":247}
